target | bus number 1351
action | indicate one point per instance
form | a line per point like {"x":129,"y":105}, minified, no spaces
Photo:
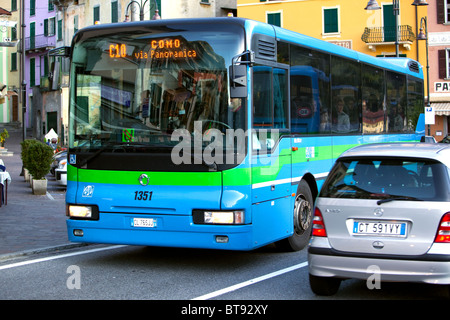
{"x":143,"y":195}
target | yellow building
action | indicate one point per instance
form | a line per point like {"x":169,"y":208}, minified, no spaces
{"x":346,"y":23}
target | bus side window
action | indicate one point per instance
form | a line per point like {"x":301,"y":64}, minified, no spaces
{"x":262,"y":107}
{"x":269,"y":105}
{"x":309,"y":91}
{"x":280,"y":98}
{"x":269,"y":97}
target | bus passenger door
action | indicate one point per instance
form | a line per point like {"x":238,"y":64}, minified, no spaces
{"x":271,"y":154}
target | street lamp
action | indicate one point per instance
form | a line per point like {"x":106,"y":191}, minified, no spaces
{"x":423,"y":35}
{"x":419,"y":3}
{"x":23,"y":83}
{"x":141,"y":10}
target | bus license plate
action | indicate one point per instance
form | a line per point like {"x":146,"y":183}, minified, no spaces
{"x":143,"y":222}
{"x":397,"y":229}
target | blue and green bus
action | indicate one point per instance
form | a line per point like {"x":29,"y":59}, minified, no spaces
{"x":218,"y":133}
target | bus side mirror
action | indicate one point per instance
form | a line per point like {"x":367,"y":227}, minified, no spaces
{"x":238,"y":81}
{"x":238,"y":74}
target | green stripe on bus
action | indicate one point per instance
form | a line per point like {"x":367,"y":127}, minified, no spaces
{"x":232,"y":177}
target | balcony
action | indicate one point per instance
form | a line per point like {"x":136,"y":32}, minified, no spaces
{"x":378,"y":36}
{"x":40,"y":43}
{"x":56,"y":82}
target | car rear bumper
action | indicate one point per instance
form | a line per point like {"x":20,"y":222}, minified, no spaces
{"x":429,"y":268}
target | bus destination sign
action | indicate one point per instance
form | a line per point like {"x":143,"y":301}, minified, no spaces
{"x":172,"y":48}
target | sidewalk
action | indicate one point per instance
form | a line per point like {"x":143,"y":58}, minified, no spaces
{"x":29,"y":222}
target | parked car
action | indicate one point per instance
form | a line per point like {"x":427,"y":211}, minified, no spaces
{"x":56,"y":159}
{"x":383,"y":211}
{"x":445,"y":140}
{"x":428,"y":139}
{"x":61,"y":172}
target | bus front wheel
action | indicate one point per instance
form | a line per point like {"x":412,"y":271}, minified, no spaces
{"x":303,"y":215}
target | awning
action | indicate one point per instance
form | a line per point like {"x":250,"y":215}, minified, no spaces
{"x":441,"y":108}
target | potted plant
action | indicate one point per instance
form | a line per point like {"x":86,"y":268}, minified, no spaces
{"x":24,"y":155}
{"x":3,"y":136}
{"x":39,"y":158}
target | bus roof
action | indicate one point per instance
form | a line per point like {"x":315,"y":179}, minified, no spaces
{"x":403,"y":65}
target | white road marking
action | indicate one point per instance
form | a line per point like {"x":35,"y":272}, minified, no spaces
{"x":24,"y":263}
{"x":250,"y":282}
{"x":204,"y":297}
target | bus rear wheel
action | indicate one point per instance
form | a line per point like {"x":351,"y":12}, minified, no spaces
{"x":303,"y":215}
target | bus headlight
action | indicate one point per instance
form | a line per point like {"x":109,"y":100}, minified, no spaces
{"x":218,"y":217}
{"x":82,"y":212}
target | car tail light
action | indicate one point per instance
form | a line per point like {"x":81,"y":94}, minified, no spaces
{"x":318,"y":228}
{"x":443,"y":233}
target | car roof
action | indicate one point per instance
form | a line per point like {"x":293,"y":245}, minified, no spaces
{"x":436,"y":151}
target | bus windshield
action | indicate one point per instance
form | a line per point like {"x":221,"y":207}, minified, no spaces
{"x":138,"y":86}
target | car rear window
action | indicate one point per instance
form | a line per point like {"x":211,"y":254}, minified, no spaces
{"x":384,"y":178}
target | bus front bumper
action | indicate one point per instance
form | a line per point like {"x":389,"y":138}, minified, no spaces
{"x":160,"y":230}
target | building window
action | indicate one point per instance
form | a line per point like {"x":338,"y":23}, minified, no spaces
{"x":13,"y":5}
{"x":274,"y":18}
{"x":330,"y":20}
{"x":443,"y":11}
{"x":32,"y":7}
{"x":14,"y":61}
{"x":96,"y":14}
{"x":14,"y":32}
{"x":44,"y":65}
{"x":49,"y":27}
{"x":444,"y":63}
{"x":60,"y":32}
{"x":75,"y":24}
{"x":114,"y":12}
{"x":32,"y":72}
{"x":51,"y":6}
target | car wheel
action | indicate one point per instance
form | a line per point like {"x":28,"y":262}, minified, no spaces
{"x":303,"y":214}
{"x":324,"y":286}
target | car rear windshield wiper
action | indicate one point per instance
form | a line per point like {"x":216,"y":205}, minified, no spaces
{"x":398,"y":198}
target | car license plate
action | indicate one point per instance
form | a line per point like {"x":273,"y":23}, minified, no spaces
{"x":143,"y":222}
{"x":397,"y":229}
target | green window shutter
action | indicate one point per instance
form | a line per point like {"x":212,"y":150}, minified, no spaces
{"x":32,"y":72}
{"x":14,"y":61}
{"x":46,"y":27}
{"x":330,"y":20}
{"x":114,"y":12}
{"x":14,"y":33}
{"x":274,"y":19}
{"x":45,"y":65}
{"x":32,"y":7}
{"x":60,"y":32}
{"x":96,"y":14}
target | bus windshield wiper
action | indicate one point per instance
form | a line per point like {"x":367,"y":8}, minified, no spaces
{"x":398,"y":198}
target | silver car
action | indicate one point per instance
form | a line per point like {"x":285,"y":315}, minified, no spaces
{"x":383,"y":214}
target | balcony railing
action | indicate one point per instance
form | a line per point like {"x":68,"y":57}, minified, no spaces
{"x":387,"y":34}
{"x":40,"y":42}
